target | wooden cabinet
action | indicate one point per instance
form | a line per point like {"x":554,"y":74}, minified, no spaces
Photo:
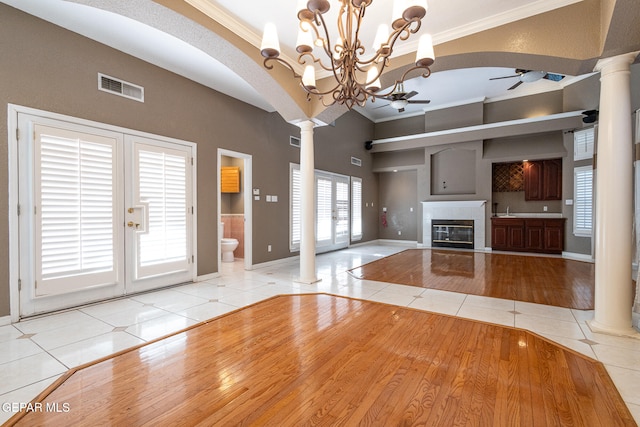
{"x":543,"y":180}
{"x":544,"y":235}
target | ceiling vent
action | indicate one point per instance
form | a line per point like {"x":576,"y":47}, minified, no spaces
{"x":120,"y":87}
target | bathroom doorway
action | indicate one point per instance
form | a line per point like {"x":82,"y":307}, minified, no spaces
{"x":234,"y":208}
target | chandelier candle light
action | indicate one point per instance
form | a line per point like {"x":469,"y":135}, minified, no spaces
{"x":356,"y":79}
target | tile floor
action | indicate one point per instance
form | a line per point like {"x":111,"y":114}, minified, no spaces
{"x":35,"y":352}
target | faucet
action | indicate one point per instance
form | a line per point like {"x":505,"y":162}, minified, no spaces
{"x":507,"y":210}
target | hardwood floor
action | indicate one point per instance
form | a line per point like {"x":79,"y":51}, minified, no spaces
{"x":327,"y":360}
{"x":537,"y":279}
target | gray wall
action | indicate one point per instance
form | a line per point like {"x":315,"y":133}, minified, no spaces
{"x":399,"y":195}
{"x":52,"y":69}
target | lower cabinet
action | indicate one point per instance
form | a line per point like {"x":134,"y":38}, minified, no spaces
{"x":545,"y":235}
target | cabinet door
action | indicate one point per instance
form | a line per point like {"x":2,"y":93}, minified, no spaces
{"x":552,"y":179}
{"x":499,"y":237}
{"x":554,"y":237}
{"x":535,"y":235}
{"x":516,"y":237}
{"x":533,"y":177}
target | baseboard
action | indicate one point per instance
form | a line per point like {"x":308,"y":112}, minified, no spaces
{"x":5,"y":320}
{"x":390,"y":242}
{"x":208,"y":277}
{"x":577,"y":257}
{"x":275,"y":262}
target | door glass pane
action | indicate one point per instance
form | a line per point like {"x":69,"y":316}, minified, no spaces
{"x":162,"y":189}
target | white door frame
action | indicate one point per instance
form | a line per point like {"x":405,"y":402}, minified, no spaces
{"x":14,"y":197}
{"x":248,"y":204}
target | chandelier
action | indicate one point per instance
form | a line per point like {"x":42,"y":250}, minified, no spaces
{"x":357,"y":77}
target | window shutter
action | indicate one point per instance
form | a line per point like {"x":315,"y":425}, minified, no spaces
{"x":356,"y":208}
{"x":583,"y":205}
{"x":583,"y":144}
{"x":323,"y":209}
{"x":162,"y":187}
{"x":295,"y":212}
{"x":75,"y":209}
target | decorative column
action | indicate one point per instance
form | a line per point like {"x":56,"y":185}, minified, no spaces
{"x":308,"y":212}
{"x":614,"y":196}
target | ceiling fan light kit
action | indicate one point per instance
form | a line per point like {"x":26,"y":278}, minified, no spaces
{"x":356,"y":77}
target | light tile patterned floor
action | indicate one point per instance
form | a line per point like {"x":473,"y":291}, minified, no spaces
{"x":35,"y":352}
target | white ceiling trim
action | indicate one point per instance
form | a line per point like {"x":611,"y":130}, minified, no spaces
{"x":236,"y":26}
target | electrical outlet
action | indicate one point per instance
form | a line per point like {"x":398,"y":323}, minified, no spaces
{"x":399,"y":233}
{"x":545,"y":208}
{"x":268,"y":248}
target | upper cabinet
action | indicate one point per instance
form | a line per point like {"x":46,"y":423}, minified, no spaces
{"x":543,"y":180}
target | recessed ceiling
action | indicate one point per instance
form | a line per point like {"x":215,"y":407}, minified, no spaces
{"x":446,"y":20}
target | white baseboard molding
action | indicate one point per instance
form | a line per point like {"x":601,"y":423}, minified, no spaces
{"x":5,"y":320}
{"x":209,"y":276}
{"x":276,"y":262}
{"x":577,"y":257}
{"x":391,"y":242}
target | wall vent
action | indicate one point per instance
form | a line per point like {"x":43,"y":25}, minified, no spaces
{"x":294,"y":141}
{"x":356,"y":161}
{"x":120,"y":87}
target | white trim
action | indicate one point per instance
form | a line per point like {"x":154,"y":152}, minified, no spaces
{"x":577,"y":257}
{"x":14,"y":247}
{"x":276,"y":262}
{"x":209,"y":276}
{"x":391,"y":242}
{"x":5,"y":320}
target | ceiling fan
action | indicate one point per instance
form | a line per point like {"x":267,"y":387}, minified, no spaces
{"x":530,"y":76}
{"x":400,"y":99}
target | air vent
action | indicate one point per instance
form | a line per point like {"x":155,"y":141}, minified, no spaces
{"x":120,"y":87}
{"x":294,"y":141}
{"x":356,"y":161}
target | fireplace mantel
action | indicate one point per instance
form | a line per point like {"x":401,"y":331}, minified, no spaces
{"x":455,"y":209}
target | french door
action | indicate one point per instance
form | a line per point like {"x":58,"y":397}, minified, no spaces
{"x":103,"y":213}
{"x":332,"y":212}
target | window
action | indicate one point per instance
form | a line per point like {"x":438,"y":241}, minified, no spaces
{"x":356,"y":208}
{"x":583,"y":203}
{"x":583,"y":144}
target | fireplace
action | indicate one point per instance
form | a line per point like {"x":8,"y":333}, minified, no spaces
{"x":452,"y":233}
{"x":455,"y":210}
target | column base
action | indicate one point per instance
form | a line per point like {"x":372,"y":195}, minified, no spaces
{"x":629,"y":332}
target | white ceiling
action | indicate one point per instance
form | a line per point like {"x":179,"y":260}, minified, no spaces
{"x":445,"y":20}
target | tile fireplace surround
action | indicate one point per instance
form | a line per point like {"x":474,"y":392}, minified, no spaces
{"x":467,"y":209}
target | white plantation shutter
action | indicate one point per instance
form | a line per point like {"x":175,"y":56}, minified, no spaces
{"x":356,"y":208}
{"x":583,"y":144}
{"x":295,"y":211}
{"x":342,"y":211}
{"x":162,"y":188}
{"x":74,"y":183}
{"x":323,"y":209}
{"x":583,"y":203}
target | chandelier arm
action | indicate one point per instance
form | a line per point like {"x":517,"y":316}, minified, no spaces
{"x":321,"y":23}
{"x":425,"y":74}
{"x":283,"y":62}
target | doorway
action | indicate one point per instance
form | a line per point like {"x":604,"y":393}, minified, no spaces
{"x":235,"y":209}
{"x":332,"y":211}
{"x":102,"y":212}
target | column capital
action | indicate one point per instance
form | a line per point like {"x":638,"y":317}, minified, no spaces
{"x":307,"y":125}
{"x":616,"y":63}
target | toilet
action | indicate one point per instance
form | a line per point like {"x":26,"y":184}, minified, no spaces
{"x":227,"y":246}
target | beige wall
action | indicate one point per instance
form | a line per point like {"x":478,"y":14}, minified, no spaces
{"x":49,"y":68}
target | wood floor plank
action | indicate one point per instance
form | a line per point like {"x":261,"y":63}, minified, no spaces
{"x":537,"y":279}
{"x":327,"y":360}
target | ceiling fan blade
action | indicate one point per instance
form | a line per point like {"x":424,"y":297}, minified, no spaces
{"x":419,"y":101}
{"x":553,"y":77}
{"x":410,"y":94}
{"x":381,"y":106}
{"x":505,"y":77}
{"x":515,"y":85}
